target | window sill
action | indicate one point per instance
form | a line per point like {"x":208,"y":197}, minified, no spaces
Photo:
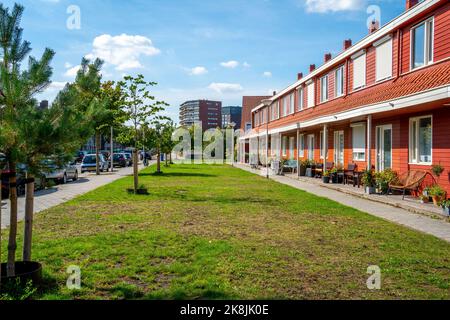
{"x":429,"y":164}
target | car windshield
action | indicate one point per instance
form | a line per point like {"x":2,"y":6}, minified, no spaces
{"x":89,"y":159}
{"x":128,"y":155}
{"x":118,"y":156}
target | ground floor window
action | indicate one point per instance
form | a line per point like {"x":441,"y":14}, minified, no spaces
{"x":284,"y":146}
{"x":339,"y":148}
{"x":359,"y":142}
{"x":301,"y":150}
{"x":421,"y":140}
{"x":311,"y":147}
{"x":291,"y":147}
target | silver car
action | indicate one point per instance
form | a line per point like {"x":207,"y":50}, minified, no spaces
{"x":59,"y":174}
{"x":90,"y":163}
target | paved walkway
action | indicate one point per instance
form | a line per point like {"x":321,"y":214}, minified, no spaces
{"x":436,"y":227}
{"x":49,"y":198}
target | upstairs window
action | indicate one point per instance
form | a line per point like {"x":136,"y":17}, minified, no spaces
{"x":324,"y":89}
{"x":359,"y":70}
{"x":291,"y":104}
{"x":285,"y":106}
{"x":300,"y":99}
{"x":339,"y":82}
{"x":311,"y":93}
{"x":422,"y":44}
{"x":384,"y":58}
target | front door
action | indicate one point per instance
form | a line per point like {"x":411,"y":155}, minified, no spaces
{"x":384,"y":147}
{"x":311,"y":147}
{"x":339,"y":148}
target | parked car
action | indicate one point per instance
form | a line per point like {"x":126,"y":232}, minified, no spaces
{"x":90,"y":163}
{"x":120,"y":160}
{"x":60,"y":174}
{"x":21,"y":170}
{"x":129,"y":159}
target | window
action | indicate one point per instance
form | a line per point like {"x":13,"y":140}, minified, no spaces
{"x":384,"y":59}
{"x":311,"y":142}
{"x":422,"y":44}
{"x":311,"y":99}
{"x":284,"y":146}
{"x":285,"y":106}
{"x":359,"y":71}
{"x":421,"y":140}
{"x":300,"y":99}
{"x":248,"y":126}
{"x":324,"y":89}
{"x":339,"y":82}
{"x":291,"y":147}
{"x":321,"y":144}
{"x":359,"y":142}
{"x":301,"y":150}
{"x":291,"y":103}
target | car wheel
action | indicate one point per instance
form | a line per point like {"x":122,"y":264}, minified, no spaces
{"x":75,"y":177}
{"x":64,"y":179}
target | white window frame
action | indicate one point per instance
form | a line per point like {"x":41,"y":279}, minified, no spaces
{"x":301,"y":149}
{"x":311,"y":147}
{"x":324,"y":93}
{"x":292,"y":148}
{"x":301,"y":98}
{"x":429,"y":36}
{"x":379,"y":63}
{"x":311,"y":102}
{"x":360,"y":55}
{"x":291,"y":103}
{"x":284,"y":146}
{"x":359,"y":150}
{"x":336,"y":93}
{"x":416,"y":151}
{"x":285,"y":106}
{"x":321,"y":144}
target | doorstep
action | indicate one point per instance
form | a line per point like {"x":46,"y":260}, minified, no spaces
{"x":395,"y":201}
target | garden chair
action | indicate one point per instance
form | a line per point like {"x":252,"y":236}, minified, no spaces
{"x":351,"y":175}
{"x":320,"y":171}
{"x":291,"y":165}
{"x":408,"y":181}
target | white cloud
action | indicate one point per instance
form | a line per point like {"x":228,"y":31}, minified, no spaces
{"x":246,"y":65}
{"x":267,"y":74}
{"x":230,"y":64}
{"x":225,"y":87}
{"x":56,"y":86}
{"x":123,"y":51}
{"x":198,"y":71}
{"x":324,"y":6}
{"x":72,"y":71}
{"x":67,"y":65}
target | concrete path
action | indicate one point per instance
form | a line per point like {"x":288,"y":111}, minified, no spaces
{"x":436,"y":227}
{"x":49,"y":198}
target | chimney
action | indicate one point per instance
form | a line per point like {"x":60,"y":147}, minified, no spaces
{"x":347,"y":44}
{"x":299,"y":75}
{"x":411,"y":3}
{"x":327,"y":57}
{"x":312,"y":67}
{"x":274,"y":93}
{"x":374,"y":26}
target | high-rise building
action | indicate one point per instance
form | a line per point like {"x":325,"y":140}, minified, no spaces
{"x":231,"y":115}
{"x":209,"y":113}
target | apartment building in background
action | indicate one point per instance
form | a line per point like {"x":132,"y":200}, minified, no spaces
{"x":231,"y":115}
{"x":381,"y":103}
{"x":209,"y":113}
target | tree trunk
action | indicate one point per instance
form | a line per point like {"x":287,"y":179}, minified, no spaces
{"x":135,"y":170}
{"x":170,"y":157}
{"x":112,"y":149}
{"x":166,"y":159}
{"x":0,"y":229}
{"x":29,"y":211}
{"x":97,"y":153}
{"x":158,"y":161}
{"x":12,"y":244}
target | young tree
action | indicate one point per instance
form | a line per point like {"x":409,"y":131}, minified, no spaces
{"x":17,"y":89}
{"x":140,"y":107}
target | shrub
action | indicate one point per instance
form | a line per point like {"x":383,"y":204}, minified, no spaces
{"x":384,"y":178}
{"x":437,"y":191}
{"x":368,"y":179}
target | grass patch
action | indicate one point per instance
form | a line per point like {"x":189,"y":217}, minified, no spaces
{"x":216,"y":232}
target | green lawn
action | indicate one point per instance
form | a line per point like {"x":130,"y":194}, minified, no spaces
{"x":213,"y":232}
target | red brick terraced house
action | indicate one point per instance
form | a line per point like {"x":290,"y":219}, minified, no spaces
{"x":382,"y":103}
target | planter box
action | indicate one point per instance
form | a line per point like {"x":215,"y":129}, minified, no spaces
{"x":25,"y":271}
{"x":309,"y":173}
{"x":326,"y":179}
{"x":302,"y":171}
{"x":371,"y":190}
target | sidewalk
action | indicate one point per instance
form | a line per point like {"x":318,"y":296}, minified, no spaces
{"x":52,"y":197}
{"x":436,"y":227}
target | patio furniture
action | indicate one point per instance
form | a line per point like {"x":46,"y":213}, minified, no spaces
{"x":328,"y":167}
{"x":291,"y":165}
{"x":410,"y":180}
{"x":350,"y":174}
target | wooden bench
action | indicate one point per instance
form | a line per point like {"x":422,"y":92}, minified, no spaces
{"x":410,"y":180}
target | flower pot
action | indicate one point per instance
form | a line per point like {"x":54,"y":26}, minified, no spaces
{"x":25,"y":271}
{"x":326,"y":179}
{"x":446,"y":211}
{"x":309,"y":173}
{"x":371,"y":190}
{"x":302,"y":171}
{"x":334,"y":178}
{"x":437,"y":200}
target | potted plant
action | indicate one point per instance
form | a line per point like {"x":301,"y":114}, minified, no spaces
{"x":437,"y":193}
{"x":446,"y":207}
{"x":303,"y":165}
{"x":310,"y":169}
{"x":384,"y":178}
{"x":339,"y":174}
{"x":424,"y":199}
{"x":334,"y":175}
{"x":368,"y":180}
{"x":437,"y":169}
{"x":326,"y":177}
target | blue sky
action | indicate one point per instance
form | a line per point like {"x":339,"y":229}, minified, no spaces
{"x":212,"y":49}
